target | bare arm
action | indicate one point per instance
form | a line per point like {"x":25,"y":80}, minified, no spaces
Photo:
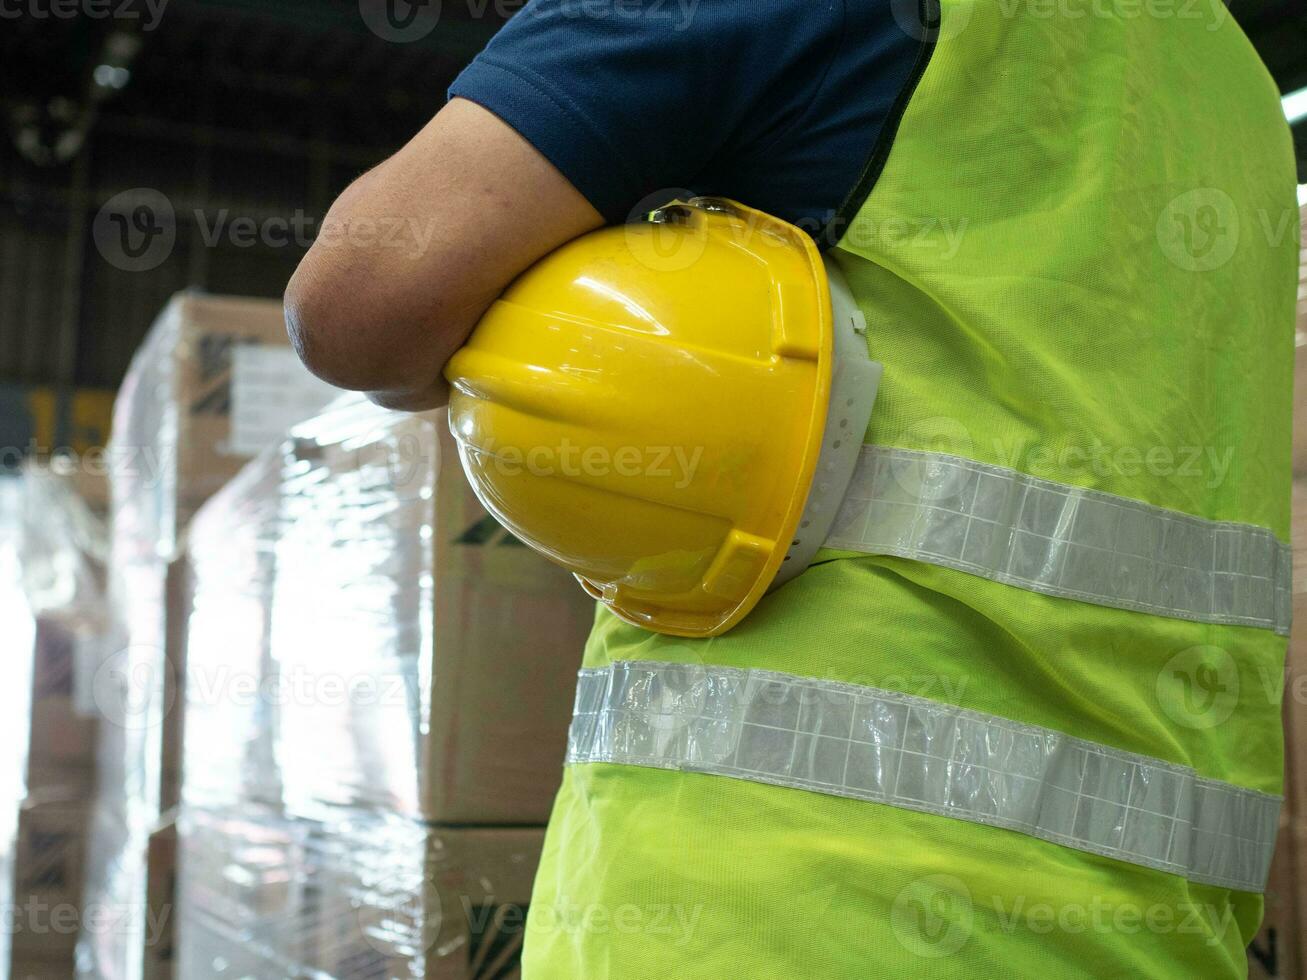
{"x":414,"y":252}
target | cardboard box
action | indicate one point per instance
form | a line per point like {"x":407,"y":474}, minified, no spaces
{"x":74,"y":783}
{"x":361,"y":897}
{"x":452,"y":907}
{"x":161,"y":901}
{"x":177,"y":611}
{"x":49,"y":862}
{"x":509,"y":631}
{"x":63,"y":719}
{"x":242,"y":878}
{"x":214,"y":383}
{"x":37,"y":969}
{"x":403,"y":652}
{"x":1274,"y":953}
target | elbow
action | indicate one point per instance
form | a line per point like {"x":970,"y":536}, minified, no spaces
{"x":338,"y":327}
{"x":322,"y":324}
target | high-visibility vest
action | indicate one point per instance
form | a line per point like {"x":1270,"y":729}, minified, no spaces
{"x":1036,"y":731}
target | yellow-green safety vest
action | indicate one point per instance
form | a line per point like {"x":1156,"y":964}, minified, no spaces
{"x":1026,"y":720}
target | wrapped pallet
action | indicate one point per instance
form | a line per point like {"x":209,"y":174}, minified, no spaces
{"x":214,"y":382}
{"x":371,"y":896}
{"x":385,"y":676}
{"x":61,"y":550}
{"x":63,"y":556}
{"x":13,"y":723}
{"x":364,"y":635}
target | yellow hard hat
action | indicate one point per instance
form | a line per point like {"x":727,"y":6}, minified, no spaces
{"x":651,"y":407}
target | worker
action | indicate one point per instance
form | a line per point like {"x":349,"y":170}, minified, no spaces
{"x":1020,"y":714}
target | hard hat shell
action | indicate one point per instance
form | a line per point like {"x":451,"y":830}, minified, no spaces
{"x":645,"y":406}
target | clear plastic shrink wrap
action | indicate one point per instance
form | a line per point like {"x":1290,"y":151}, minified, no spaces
{"x":379,"y":681}
{"x":213,"y":379}
{"x":62,"y":550}
{"x":372,"y":897}
{"x":60,"y":543}
{"x":363,"y":634}
{"x":19,"y":632}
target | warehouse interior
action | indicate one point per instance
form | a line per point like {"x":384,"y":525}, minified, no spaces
{"x":226,"y":748}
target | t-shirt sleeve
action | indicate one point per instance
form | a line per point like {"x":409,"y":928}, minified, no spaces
{"x":630,"y":97}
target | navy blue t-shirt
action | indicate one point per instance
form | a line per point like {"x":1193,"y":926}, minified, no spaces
{"x":779,"y":104}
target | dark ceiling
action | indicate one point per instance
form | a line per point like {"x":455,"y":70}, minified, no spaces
{"x":252,"y":108}
{"x":297,"y":66}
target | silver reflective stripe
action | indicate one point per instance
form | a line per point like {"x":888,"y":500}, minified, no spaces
{"x":1062,"y":540}
{"x":886,"y":747}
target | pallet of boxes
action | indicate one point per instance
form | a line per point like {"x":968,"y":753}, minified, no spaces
{"x":63,"y":543}
{"x":214,"y":381}
{"x":378,"y":689}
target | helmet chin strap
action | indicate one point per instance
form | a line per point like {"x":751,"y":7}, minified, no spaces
{"x":854,"y":383}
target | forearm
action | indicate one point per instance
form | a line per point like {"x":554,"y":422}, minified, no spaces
{"x":413,"y":253}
